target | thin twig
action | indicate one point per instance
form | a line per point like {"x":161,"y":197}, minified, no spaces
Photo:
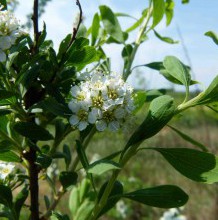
{"x":75,"y":30}
{"x":35,"y":19}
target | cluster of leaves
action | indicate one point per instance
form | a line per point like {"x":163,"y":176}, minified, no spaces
{"x":34,"y":91}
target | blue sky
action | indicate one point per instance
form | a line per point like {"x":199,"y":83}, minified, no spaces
{"x":193,"y":20}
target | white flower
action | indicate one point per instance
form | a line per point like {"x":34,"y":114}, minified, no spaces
{"x":82,"y":117}
{"x":5,"y":169}
{"x":103,"y":99}
{"x":122,"y":208}
{"x":9,"y":32}
{"x":173,"y":214}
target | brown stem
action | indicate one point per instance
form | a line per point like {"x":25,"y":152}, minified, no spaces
{"x":35,"y":19}
{"x":30,"y":156}
{"x":75,"y":30}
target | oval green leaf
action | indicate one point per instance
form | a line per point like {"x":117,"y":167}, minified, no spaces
{"x":166,"y":196}
{"x":111,"y":24}
{"x":195,"y":165}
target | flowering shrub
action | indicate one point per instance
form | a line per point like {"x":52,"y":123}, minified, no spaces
{"x":47,"y":96}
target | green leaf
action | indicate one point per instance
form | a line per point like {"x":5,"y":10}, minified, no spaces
{"x":82,"y":155}
{"x":68,"y":179}
{"x":113,"y":198}
{"x":19,"y":200}
{"x":84,"y":211}
{"x":4,"y":94}
{"x":9,"y":156}
{"x":42,"y":35}
{"x":4,"y":4}
{"x":153,"y":94}
{"x":64,"y":46}
{"x":32,"y":131}
{"x":209,"y":95}
{"x":155,"y":65}
{"x":53,"y":106}
{"x":213,"y":36}
{"x":161,"y":110}
{"x":169,"y":7}
{"x":5,"y":196}
{"x":84,"y":189}
{"x":138,"y":22}
{"x":67,"y":155}
{"x":78,"y":44}
{"x":83,"y":56}
{"x":185,"y":1}
{"x":43,"y":160}
{"x":177,"y":70}
{"x":74,"y":201}
{"x":158,"y":12}
{"x":189,"y":139}
{"x":166,"y":196}
{"x":111,"y":23}
{"x":195,"y":165}
{"x":95,"y":28}
{"x":139,"y":100}
{"x":165,"y":39}
{"x":102,"y":166}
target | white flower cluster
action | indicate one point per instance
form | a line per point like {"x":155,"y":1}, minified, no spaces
{"x":102,"y":99}
{"x":173,"y":214}
{"x":9,"y":32}
{"x":5,"y":169}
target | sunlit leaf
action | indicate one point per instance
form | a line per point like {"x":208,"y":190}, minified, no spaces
{"x":158,"y":12}
{"x":95,"y":28}
{"x":102,"y":166}
{"x":161,"y":110}
{"x":165,"y":39}
{"x":213,"y":36}
{"x":111,"y":24}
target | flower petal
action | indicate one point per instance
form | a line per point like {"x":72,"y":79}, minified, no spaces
{"x":82,"y":125}
{"x":114,"y":125}
{"x":74,"y":120}
{"x":101,"y":125}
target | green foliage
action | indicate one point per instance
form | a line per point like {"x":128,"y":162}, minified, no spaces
{"x":196,"y":165}
{"x":6,"y":196}
{"x":102,"y":166}
{"x":111,"y":24}
{"x":166,"y":196}
{"x":165,"y":39}
{"x":32,"y":131}
{"x":68,"y":179}
{"x":160,"y":112}
{"x":158,"y":12}
{"x":213,"y":36}
{"x":115,"y":194}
